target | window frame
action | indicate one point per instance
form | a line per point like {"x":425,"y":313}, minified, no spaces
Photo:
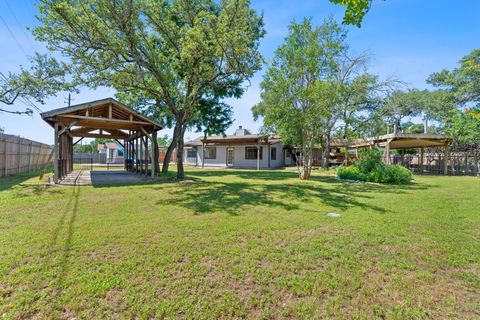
{"x":273,"y":153}
{"x":256,"y":152}
{"x":192,"y":149}
{"x":207,"y":155}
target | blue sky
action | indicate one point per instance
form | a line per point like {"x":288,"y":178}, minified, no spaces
{"x":409,"y":39}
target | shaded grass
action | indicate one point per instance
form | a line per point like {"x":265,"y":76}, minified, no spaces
{"x":241,"y":244}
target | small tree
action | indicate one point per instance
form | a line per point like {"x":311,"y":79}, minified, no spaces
{"x":299,"y":87}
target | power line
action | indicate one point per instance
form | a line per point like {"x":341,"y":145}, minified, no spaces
{"x":19,"y":25}
{"x":13,"y":36}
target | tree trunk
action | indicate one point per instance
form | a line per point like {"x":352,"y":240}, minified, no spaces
{"x":326,"y":151}
{"x":180,"y":170}
{"x":171,"y":147}
{"x":291,"y":151}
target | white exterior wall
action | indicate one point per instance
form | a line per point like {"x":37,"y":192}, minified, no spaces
{"x":288,"y":158}
{"x":280,"y":161}
{"x":239,"y":160}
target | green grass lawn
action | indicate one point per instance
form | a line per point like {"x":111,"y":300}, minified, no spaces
{"x":241,"y":244}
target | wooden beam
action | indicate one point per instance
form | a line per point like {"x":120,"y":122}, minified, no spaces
{"x":78,"y":141}
{"x":66,"y":128}
{"x":78,"y":117}
{"x":105,"y":123}
{"x":146,"y":133}
{"x":97,"y":135}
{"x":123,"y":146}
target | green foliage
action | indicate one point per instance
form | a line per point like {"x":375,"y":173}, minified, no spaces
{"x":46,"y":77}
{"x":351,"y":173}
{"x":178,"y":53}
{"x":463,"y":82}
{"x":369,"y":160}
{"x":464,"y":128}
{"x":164,"y":141}
{"x":369,"y":167}
{"x":356,"y":10}
{"x":395,"y":174}
{"x":298,"y":89}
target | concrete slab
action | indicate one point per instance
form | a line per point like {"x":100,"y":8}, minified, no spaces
{"x":101,"y":177}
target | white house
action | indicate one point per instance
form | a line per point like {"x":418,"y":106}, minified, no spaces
{"x":241,"y":150}
{"x":113,"y":151}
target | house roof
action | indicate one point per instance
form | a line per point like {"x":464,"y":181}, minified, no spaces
{"x":233,"y":139}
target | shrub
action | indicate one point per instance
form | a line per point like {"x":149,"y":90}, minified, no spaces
{"x":351,"y":173}
{"x":369,"y":160}
{"x":369,"y":167}
{"x":395,"y":174}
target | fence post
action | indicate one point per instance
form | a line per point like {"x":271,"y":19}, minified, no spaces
{"x":475,"y":164}
{"x":445,"y":162}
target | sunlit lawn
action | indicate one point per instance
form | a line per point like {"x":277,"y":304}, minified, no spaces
{"x":241,"y":244}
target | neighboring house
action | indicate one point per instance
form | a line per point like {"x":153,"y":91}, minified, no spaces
{"x":112,"y":150}
{"x":241,"y":150}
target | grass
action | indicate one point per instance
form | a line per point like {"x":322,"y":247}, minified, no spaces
{"x":241,"y":244}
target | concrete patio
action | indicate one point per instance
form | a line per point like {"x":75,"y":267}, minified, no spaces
{"x":101,"y":177}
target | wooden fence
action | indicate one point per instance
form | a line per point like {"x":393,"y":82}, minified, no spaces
{"x":459,"y":163}
{"x":22,"y":155}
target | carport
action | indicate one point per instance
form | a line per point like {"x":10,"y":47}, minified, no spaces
{"x":106,"y":118}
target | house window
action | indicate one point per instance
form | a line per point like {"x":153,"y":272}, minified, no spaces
{"x":251,"y":153}
{"x":210,"y":153}
{"x":273,"y":153}
{"x":192,"y":152}
{"x":120,"y":153}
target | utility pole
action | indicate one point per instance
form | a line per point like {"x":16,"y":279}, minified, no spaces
{"x":69,"y":101}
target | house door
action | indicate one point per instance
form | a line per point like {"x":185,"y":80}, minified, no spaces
{"x":229,"y":157}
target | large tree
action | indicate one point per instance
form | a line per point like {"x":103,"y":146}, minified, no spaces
{"x":462,"y":82}
{"x":45,"y":77}
{"x":178,"y":52}
{"x":300,"y":88}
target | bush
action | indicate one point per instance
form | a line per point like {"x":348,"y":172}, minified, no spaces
{"x":391,"y":174}
{"x":369,"y":167}
{"x":351,"y":173}
{"x":369,"y":160}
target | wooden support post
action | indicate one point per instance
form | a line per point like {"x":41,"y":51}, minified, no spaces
{"x":258,"y":155}
{"x":203,"y":154}
{"x":56,"y":169}
{"x":110,"y":111}
{"x":387,"y":152}
{"x":269,"y":155}
{"x":135,"y":149}
{"x":446,"y":160}
{"x":402,"y":157}
{"x":422,"y":159}
{"x":152,"y":157}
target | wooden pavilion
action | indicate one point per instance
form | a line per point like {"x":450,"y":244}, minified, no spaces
{"x":400,"y":141}
{"x":106,"y":118}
